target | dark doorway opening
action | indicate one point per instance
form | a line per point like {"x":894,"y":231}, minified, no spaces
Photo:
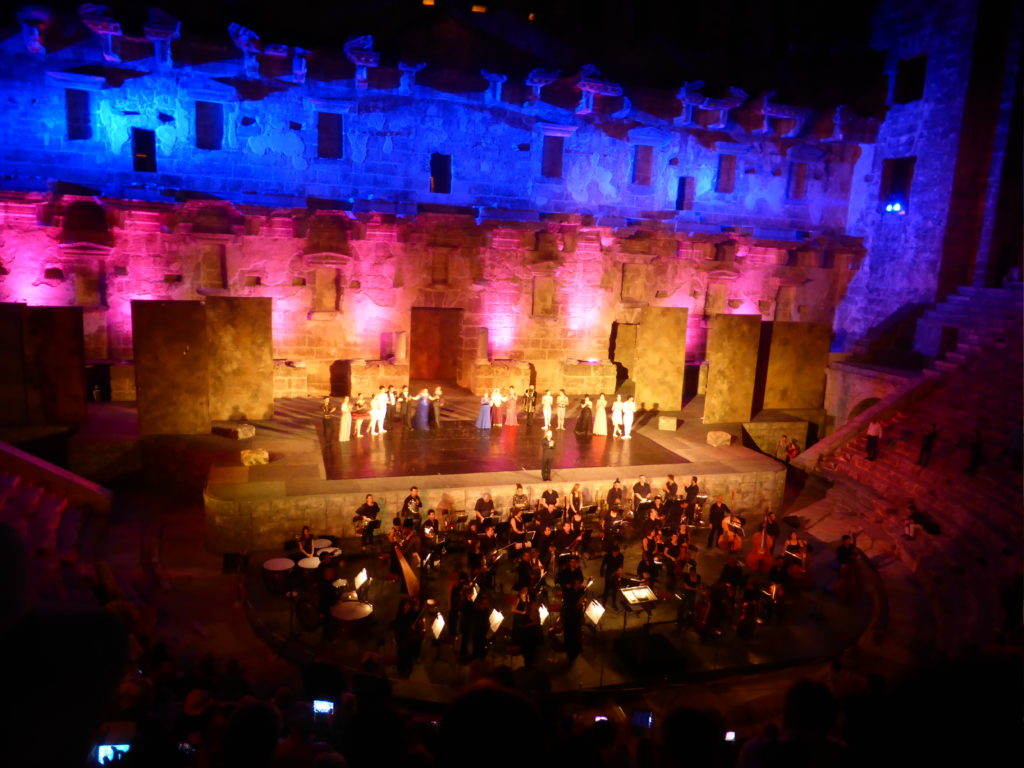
{"x":435,"y":344}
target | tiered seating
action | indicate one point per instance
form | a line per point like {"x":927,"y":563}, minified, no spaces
{"x":51,"y":526}
{"x":977,"y":551}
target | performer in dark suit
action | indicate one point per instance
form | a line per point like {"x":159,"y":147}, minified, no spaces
{"x":547,"y":454}
{"x":716,"y":515}
{"x":530,"y":404}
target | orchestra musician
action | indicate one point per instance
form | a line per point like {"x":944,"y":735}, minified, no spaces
{"x":778,"y":577}
{"x":690,"y":587}
{"x":516,"y":532}
{"x":615,"y":495}
{"x":611,"y":569}
{"x":520,"y":501}
{"x":732,"y":572}
{"x":670,"y":488}
{"x":305,"y":542}
{"x":641,"y":495}
{"x":566,"y":540}
{"x":731,"y":539}
{"x":570,"y":573}
{"x":647,"y":569}
{"x":520,"y":615}
{"x":458,"y":596}
{"x":543,"y":546}
{"x":404,"y":539}
{"x":484,"y":508}
{"x":760,"y":556}
{"x":795,"y":549}
{"x":675,"y":565}
{"x":428,"y":539}
{"x":549,"y":498}
{"x":489,"y":555}
{"x":366,"y":522}
{"x":574,"y":502}
{"x":716,"y":515}
{"x":410,"y":507}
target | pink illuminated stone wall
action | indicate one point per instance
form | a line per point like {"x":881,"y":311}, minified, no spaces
{"x":343,"y":284}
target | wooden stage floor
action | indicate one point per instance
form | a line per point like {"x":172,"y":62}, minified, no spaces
{"x":460,"y":448}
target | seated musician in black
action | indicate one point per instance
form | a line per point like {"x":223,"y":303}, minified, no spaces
{"x":647,"y":570}
{"x":305,"y":541}
{"x":542,"y":546}
{"x":525,"y":571}
{"x":488,"y":552}
{"x":641,"y":491}
{"x":610,"y":527}
{"x":549,"y":498}
{"x":484,"y":508}
{"x":566,"y":539}
{"x":732,"y":572}
{"x":428,"y":539}
{"x":654,"y":518}
{"x":846,"y":550}
{"x":615,"y":498}
{"x":366,"y":515}
{"x":570,"y":573}
{"x":411,"y":506}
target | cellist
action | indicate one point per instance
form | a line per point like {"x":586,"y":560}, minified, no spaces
{"x":760,"y":556}
{"x":731,"y":539}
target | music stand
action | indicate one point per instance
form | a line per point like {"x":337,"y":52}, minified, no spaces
{"x":594,"y":612}
{"x":437,"y":626}
{"x":543,"y":612}
{"x":639,"y":597}
{"x":495,"y":619}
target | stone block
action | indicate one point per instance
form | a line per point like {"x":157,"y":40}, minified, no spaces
{"x":797,"y":356}
{"x":122,"y":383}
{"x":171,"y":360}
{"x":253,"y":457}
{"x":241,"y":365}
{"x":235,"y":431}
{"x":733,"y":343}
{"x":718,"y":439}
{"x":660,"y":357}
{"x":668,"y":423}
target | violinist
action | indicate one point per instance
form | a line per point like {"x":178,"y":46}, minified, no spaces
{"x":570,"y":573}
{"x":542,"y":547}
{"x":489,"y":556}
{"x":674,"y":565}
{"x":647,"y":570}
{"x":525,"y":570}
{"x":474,"y":555}
{"x":566,"y":539}
{"x":795,"y":549}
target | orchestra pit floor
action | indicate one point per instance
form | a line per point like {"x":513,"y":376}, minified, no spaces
{"x":625,"y":650}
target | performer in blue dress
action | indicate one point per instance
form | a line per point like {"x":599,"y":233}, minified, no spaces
{"x":422,"y":418}
{"x":483,"y":421}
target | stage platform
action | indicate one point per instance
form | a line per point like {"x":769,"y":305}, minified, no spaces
{"x":309,"y":482}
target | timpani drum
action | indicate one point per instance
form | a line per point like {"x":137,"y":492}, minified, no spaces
{"x":351,"y":610}
{"x":322,"y":544}
{"x":275,"y":573}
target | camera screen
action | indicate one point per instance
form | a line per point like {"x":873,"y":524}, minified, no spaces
{"x":600,"y":719}
{"x":730,"y":735}
{"x":643,"y":718}
{"x":323,"y":707}
{"x":105,"y":752}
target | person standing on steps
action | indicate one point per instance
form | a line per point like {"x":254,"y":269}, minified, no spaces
{"x":874,"y":436}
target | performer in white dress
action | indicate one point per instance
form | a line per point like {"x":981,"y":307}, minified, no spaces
{"x":561,"y":403}
{"x":511,"y":415}
{"x":546,"y":402}
{"x":628,"y":409}
{"x":345,"y":429}
{"x":617,"y":417}
{"x":601,"y":416}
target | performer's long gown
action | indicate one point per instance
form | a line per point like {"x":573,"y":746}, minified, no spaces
{"x":422,"y":418}
{"x":483,"y":420}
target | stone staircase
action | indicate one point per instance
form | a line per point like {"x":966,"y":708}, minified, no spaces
{"x":976,"y":552}
{"x":974,"y":316}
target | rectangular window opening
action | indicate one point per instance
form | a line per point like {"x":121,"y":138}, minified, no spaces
{"x":143,"y":150}
{"x":685,"y":190}
{"x":329,"y":144}
{"x":441,"y":173}
{"x":643,"y":160}
{"x":797,"y":187}
{"x":209,"y":125}
{"x":725,"y":181}
{"x":79,"y":117}
{"x":551,"y":157}
{"x":909,"y":85}
{"x":897,"y":176}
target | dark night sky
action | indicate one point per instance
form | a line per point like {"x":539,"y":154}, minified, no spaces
{"x":811,"y":52}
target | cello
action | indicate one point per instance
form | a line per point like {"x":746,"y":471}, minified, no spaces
{"x":760,"y":556}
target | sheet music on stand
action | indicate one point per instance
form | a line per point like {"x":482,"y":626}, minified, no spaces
{"x":639,"y":595}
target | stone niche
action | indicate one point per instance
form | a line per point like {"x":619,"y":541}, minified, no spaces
{"x":366,"y":376}
{"x":122,"y":383}
{"x":485,"y":376}
{"x":588,"y":377}
{"x":733,"y":342}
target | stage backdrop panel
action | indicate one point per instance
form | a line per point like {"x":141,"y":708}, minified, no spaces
{"x":797,"y":357}
{"x":55,"y":390}
{"x":660,"y":358}
{"x":13,"y":408}
{"x":241,"y":364}
{"x":171,"y":367}
{"x":733,"y":342}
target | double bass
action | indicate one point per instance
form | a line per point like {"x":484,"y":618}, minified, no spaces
{"x":731,"y":540}
{"x":760,"y":556}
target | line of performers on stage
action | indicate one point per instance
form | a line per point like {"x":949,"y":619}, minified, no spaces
{"x":377,"y":415}
{"x":500,"y":408}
